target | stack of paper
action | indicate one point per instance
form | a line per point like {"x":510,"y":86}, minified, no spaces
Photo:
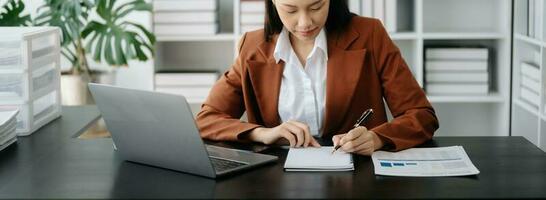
{"x":453,"y":71}
{"x":8,"y":124}
{"x":424,"y":162}
{"x":530,"y":83}
{"x":318,"y":159}
{"x":188,"y":17}
{"x":194,"y":86}
{"x":252,"y":15}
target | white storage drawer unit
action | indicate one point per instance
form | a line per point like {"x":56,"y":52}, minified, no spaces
{"x":30,"y":75}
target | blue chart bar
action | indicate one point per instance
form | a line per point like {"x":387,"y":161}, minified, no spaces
{"x":386,"y":164}
{"x":396,"y":164}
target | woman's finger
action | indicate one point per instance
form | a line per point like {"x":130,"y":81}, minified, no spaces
{"x":351,"y":135}
{"x":337,"y":138}
{"x":295,"y":130}
{"x":314,"y":142}
{"x":289,"y":136}
{"x":306,"y":131}
{"x":352,"y":145}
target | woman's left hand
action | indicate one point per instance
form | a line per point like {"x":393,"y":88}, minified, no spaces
{"x":360,"y":140}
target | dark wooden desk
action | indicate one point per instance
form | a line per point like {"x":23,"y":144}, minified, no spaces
{"x":51,"y":163}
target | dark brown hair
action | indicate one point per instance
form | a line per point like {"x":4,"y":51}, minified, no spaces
{"x":338,"y":19}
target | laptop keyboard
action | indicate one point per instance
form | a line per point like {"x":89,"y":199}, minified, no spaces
{"x":223,"y":165}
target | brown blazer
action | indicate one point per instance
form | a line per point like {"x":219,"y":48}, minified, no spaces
{"x":364,"y":66}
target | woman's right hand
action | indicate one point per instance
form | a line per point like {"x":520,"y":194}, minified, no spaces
{"x":296,"y":133}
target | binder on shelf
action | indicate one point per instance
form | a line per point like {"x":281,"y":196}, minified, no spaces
{"x":530,"y":84}
{"x":456,"y":65}
{"x":457,"y":53}
{"x":185,"y":5}
{"x":457,"y":89}
{"x":530,"y":71}
{"x":457,"y":77}
{"x":186,"y":29}
{"x":185,"y":17}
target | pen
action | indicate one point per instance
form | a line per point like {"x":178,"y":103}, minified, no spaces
{"x":365,"y":115}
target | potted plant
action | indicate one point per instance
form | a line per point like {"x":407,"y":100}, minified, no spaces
{"x":110,"y":39}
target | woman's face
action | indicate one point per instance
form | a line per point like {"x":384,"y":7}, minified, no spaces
{"x":303,"y":18}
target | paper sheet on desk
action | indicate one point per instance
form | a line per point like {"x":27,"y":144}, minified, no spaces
{"x":318,"y":159}
{"x":424,"y":162}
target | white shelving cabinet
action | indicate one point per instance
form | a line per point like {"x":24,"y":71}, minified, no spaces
{"x":528,"y":119}
{"x":462,"y":22}
{"x":429,"y":22}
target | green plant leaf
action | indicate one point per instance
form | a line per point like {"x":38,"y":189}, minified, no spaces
{"x":123,"y":40}
{"x":137,"y":5}
{"x":11,"y":14}
{"x":98,"y":48}
{"x":69,"y":15}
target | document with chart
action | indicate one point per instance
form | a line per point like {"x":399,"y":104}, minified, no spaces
{"x":318,"y":159}
{"x":424,"y":162}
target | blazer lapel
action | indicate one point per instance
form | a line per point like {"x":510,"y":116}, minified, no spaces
{"x":266,"y":81}
{"x":343,"y":73}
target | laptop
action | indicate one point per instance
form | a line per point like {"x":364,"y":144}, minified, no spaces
{"x":159,"y":129}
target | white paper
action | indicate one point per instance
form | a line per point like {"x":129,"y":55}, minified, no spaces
{"x":6,"y":116}
{"x":8,"y":125}
{"x":8,"y":134}
{"x":318,"y":159}
{"x":424,"y":162}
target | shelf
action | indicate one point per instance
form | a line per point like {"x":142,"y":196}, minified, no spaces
{"x":526,"y":107}
{"x":403,"y":36}
{"x":529,"y":40}
{"x":462,"y":36}
{"x":217,"y":37}
{"x":491,"y":98}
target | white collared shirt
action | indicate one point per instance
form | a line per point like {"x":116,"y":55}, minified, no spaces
{"x":303,"y":89}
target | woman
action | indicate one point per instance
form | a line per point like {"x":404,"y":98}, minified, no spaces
{"x":311,"y":73}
